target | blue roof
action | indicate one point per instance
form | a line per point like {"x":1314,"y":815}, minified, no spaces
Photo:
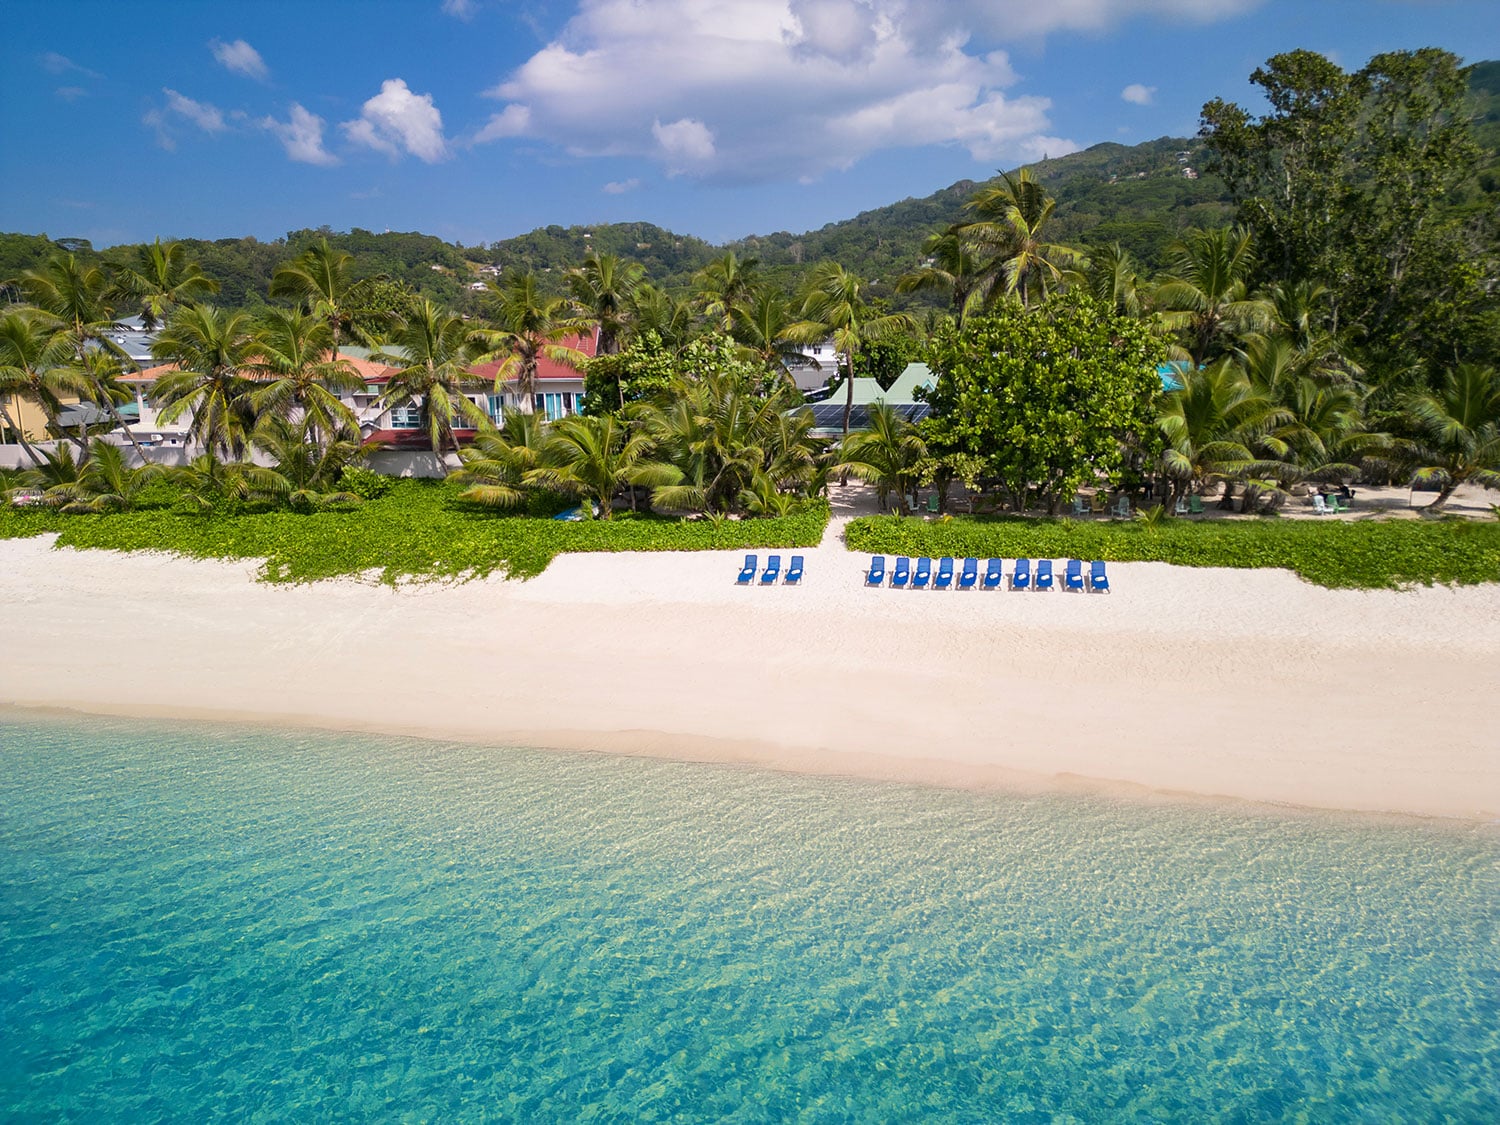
{"x":1171,"y":375}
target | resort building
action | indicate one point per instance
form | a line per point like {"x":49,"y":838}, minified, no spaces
{"x":828,"y":415}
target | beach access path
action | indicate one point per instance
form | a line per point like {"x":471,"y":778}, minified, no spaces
{"x":1243,"y":684}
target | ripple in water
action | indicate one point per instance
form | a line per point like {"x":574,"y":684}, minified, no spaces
{"x":207,"y":922}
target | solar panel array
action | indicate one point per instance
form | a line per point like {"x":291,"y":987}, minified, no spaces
{"x":830,"y":415}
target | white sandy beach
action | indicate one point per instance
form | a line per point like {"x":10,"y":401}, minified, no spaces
{"x":1220,"y":683}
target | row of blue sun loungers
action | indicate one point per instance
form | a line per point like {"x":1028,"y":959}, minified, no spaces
{"x":1022,"y":577}
{"x":772,"y":572}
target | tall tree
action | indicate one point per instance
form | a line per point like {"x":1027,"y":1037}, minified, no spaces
{"x":162,"y":278}
{"x":319,"y":278}
{"x":212,"y":348}
{"x":437,"y":349}
{"x":763,"y":325}
{"x":528,"y":327}
{"x":36,"y":363}
{"x":1206,"y":293}
{"x":596,"y":457}
{"x":1458,"y":427}
{"x":601,"y":289}
{"x":1009,"y":231}
{"x":888,"y":455}
{"x":952,"y":268}
{"x":1211,"y":425}
{"x":298,"y":374}
{"x":723,"y":286}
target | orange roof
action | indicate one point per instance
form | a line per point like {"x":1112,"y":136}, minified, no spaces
{"x":546,"y":368}
{"x":366,"y":369}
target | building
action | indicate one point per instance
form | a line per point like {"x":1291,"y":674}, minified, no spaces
{"x":828,"y":415}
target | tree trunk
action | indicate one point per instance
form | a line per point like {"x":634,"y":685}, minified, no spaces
{"x":120,"y":422}
{"x":848,"y":408}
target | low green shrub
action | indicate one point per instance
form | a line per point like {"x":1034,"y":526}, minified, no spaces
{"x":365,"y":483}
{"x":1358,"y":554}
{"x":418,"y":530}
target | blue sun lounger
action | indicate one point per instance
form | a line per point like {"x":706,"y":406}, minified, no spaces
{"x":1073,"y":579}
{"x":1098,"y":580}
{"x":747,"y":572}
{"x":944,"y":577}
{"x":876,"y":574}
{"x":993,"y":575}
{"x":794,"y":571}
{"x":923,"y":575}
{"x":902,"y":573}
{"x":1044,"y":574}
{"x":1020,"y":578}
{"x":969,"y":575}
{"x":772,"y":572}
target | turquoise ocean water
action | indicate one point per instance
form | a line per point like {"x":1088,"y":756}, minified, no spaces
{"x":206,"y":923}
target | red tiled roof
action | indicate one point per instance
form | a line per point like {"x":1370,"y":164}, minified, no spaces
{"x":366,"y":369}
{"x":546,"y":369}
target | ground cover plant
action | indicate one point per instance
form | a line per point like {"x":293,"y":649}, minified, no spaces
{"x":419,"y":530}
{"x":1366,"y":554}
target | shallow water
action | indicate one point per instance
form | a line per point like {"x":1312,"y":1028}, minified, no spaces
{"x":219,"y":922}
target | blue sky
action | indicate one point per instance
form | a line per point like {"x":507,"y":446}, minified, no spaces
{"x":476,"y":120}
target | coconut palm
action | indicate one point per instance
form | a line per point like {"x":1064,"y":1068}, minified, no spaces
{"x":723,"y":286}
{"x":887,"y":454}
{"x":1206,"y":296}
{"x":761,"y":325}
{"x":306,"y":472}
{"x":596,"y":457}
{"x":1009,"y":233}
{"x":162,"y":278}
{"x":1211,"y":427}
{"x":833,"y":306}
{"x":1458,"y":431}
{"x":1111,"y":276}
{"x":208,"y":480}
{"x":495,"y":466}
{"x":601,"y":289}
{"x":319,"y":279}
{"x":437,"y":348}
{"x":212,"y":349}
{"x":952,"y":269}
{"x":299,"y":373}
{"x":653,"y":309}
{"x":36,"y":363}
{"x":527,"y":327}
{"x":104,"y":482}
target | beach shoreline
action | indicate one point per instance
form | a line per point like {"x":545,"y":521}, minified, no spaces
{"x":1184,"y":684}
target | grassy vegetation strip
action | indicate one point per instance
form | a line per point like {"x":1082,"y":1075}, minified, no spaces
{"x":416,"y":531}
{"x":1364,"y":554}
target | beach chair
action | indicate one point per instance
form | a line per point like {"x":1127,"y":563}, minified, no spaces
{"x":1195,"y":505}
{"x":1319,"y":504}
{"x":1334,"y":507}
{"x":944,"y":577}
{"x":1098,"y":580}
{"x":772,"y":572}
{"x":932,"y":503}
{"x":923,"y":575}
{"x":1043,"y":574}
{"x":1020,"y":578}
{"x":1122,"y":507}
{"x":993,"y":575}
{"x":1073,"y":576}
{"x":969,"y":575}
{"x":794,"y":571}
{"x":1181,"y":507}
{"x":876,"y":574}
{"x":1096,"y":504}
{"x":1080,"y":506}
{"x":747,"y":572}
{"x":902,"y":573}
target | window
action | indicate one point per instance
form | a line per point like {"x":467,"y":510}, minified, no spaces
{"x":406,"y":418}
{"x":553,"y":405}
{"x":497,"y":408}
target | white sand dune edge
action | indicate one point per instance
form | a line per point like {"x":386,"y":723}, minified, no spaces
{"x":1243,"y":684}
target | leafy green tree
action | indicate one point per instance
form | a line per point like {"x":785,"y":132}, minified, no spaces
{"x":212,"y":348}
{"x":601,"y":289}
{"x":596,"y":457}
{"x":951,"y":268}
{"x":298,"y":377}
{"x":162,"y":278}
{"x":319,"y":278}
{"x":527,"y":327}
{"x":1111,"y":276}
{"x":35,"y":364}
{"x":1049,"y":399}
{"x":653,"y":309}
{"x":889,"y":454}
{"x":723,"y":286}
{"x":1458,"y":428}
{"x":762,"y":324}
{"x":437,"y":348}
{"x":1211,"y":426}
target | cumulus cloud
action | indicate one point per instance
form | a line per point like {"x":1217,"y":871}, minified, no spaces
{"x":1136,"y":94}
{"x":239,"y":57}
{"x":742,"y":90}
{"x":396,"y":121}
{"x":178,"y":109}
{"x":301,"y":135}
{"x":620,"y":187}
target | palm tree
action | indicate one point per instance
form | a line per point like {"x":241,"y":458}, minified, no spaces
{"x":887,"y":454}
{"x":104,"y":482}
{"x":36,"y":363}
{"x":207,"y":479}
{"x":529,"y":326}
{"x":1206,"y":294}
{"x":319,"y":279}
{"x":495,"y":466}
{"x":438,"y":349}
{"x":596,"y":457}
{"x":601,"y":289}
{"x":724,"y":285}
{"x":306,"y":473}
{"x":296,"y":374}
{"x":79,"y":297}
{"x":1112,"y":277}
{"x":1458,"y":428}
{"x":1211,"y":426}
{"x":653,"y":309}
{"x":163,"y":278}
{"x":761,"y":325}
{"x":1009,"y":232}
{"x":832,"y":306}
{"x":211,"y":348}
{"x":953,"y":269}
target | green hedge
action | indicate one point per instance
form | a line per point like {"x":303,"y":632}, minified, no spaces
{"x":1366,"y":553}
{"x":419,"y":530}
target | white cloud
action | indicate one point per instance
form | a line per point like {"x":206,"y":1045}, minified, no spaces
{"x":1136,"y":94}
{"x":239,"y":57}
{"x":1014,"y":21}
{"x":71,"y":93}
{"x":460,"y":9}
{"x":397,"y":120}
{"x":205,"y":116}
{"x":768,"y":89}
{"x":53,"y":63}
{"x":620,"y":187}
{"x":302,"y":136}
